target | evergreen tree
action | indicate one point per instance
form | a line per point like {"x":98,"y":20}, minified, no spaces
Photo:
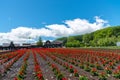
{"x":40,"y":43}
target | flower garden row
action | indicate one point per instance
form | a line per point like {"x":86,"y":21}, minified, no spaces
{"x":102,"y":65}
{"x":65,"y":64}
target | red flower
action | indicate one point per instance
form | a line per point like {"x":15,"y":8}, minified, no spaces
{"x":21,"y":73}
{"x":107,"y":68}
{"x":94,"y":70}
{"x":15,"y":78}
{"x":111,"y":63}
{"x":39,"y":76}
{"x":53,"y":66}
{"x":71,"y":66}
{"x":116,"y":72}
{"x":118,"y":67}
{"x":37,"y":67}
{"x":102,"y":73}
{"x":75,"y":71}
{"x":64,"y":79}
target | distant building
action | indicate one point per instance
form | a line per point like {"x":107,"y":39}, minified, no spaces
{"x":16,"y":45}
{"x":118,"y":43}
{"x":47,"y":44}
{"x":8,"y":46}
{"x":57,"y":43}
{"x":33,"y":44}
{"x":5,"y":44}
{"x":26,"y":44}
{"x":53,"y":44}
{"x":11,"y":46}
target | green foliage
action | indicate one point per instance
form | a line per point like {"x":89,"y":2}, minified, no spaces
{"x":111,"y":41}
{"x":40,"y":43}
{"x":78,"y":37}
{"x":118,"y":38}
{"x":83,"y":78}
{"x":76,"y":74}
{"x":100,"y":38}
{"x":74,"y":43}
{"x":87,"y":38}
{"x":60,"y":76}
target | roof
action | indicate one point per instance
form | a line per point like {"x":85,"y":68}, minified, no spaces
{"x":57,"y":42}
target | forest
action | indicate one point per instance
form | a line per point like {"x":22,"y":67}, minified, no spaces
{"x":100,"y":38}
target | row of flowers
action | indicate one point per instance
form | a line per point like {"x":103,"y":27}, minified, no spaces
{"x":11,"y":62}
{"x":101,"y":64}
{"x":57,"y":72}
{"x":22,"y":71}
{"x":37,"y":69}
{"x":70,"y":68}
{"x":6,"y":57}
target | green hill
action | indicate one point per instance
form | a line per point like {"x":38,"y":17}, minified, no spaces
{"x":104,"y":37}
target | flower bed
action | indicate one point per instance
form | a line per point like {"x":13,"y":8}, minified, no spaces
{"x":76,"y":64}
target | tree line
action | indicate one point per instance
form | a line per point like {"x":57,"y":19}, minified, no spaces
{"x":100,"y":38}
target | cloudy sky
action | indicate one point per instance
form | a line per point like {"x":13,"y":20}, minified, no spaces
{"x":25,"y":20}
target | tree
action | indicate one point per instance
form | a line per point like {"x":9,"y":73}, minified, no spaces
{"x":74,"y":43}
{"x":118,"y":38}
{"x":104,"y":37}
{"x":78,"y":37}
{"x":40,"y":43}
{"x":111,"y":41}
{"x":70,"y":39}
{"x":87,"y":38}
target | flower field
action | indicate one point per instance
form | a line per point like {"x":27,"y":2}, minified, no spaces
{"x":60,"y":64}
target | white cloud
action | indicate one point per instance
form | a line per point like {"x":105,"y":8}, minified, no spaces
{"x":59,"y":30}
{"x":70,"y":27}
{"x":81,"y":26}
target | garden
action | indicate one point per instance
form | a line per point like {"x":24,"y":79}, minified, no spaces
{"x":60,"y":64}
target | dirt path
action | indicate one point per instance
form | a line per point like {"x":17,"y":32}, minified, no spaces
{"x":46,"y":71}
{"x":30,"y":68}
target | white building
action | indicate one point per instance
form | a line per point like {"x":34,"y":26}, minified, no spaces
{"x":5,"y":44}
{"x":118,"y":43}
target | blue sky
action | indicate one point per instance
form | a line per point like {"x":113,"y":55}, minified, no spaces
{"x":40,"y":13}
